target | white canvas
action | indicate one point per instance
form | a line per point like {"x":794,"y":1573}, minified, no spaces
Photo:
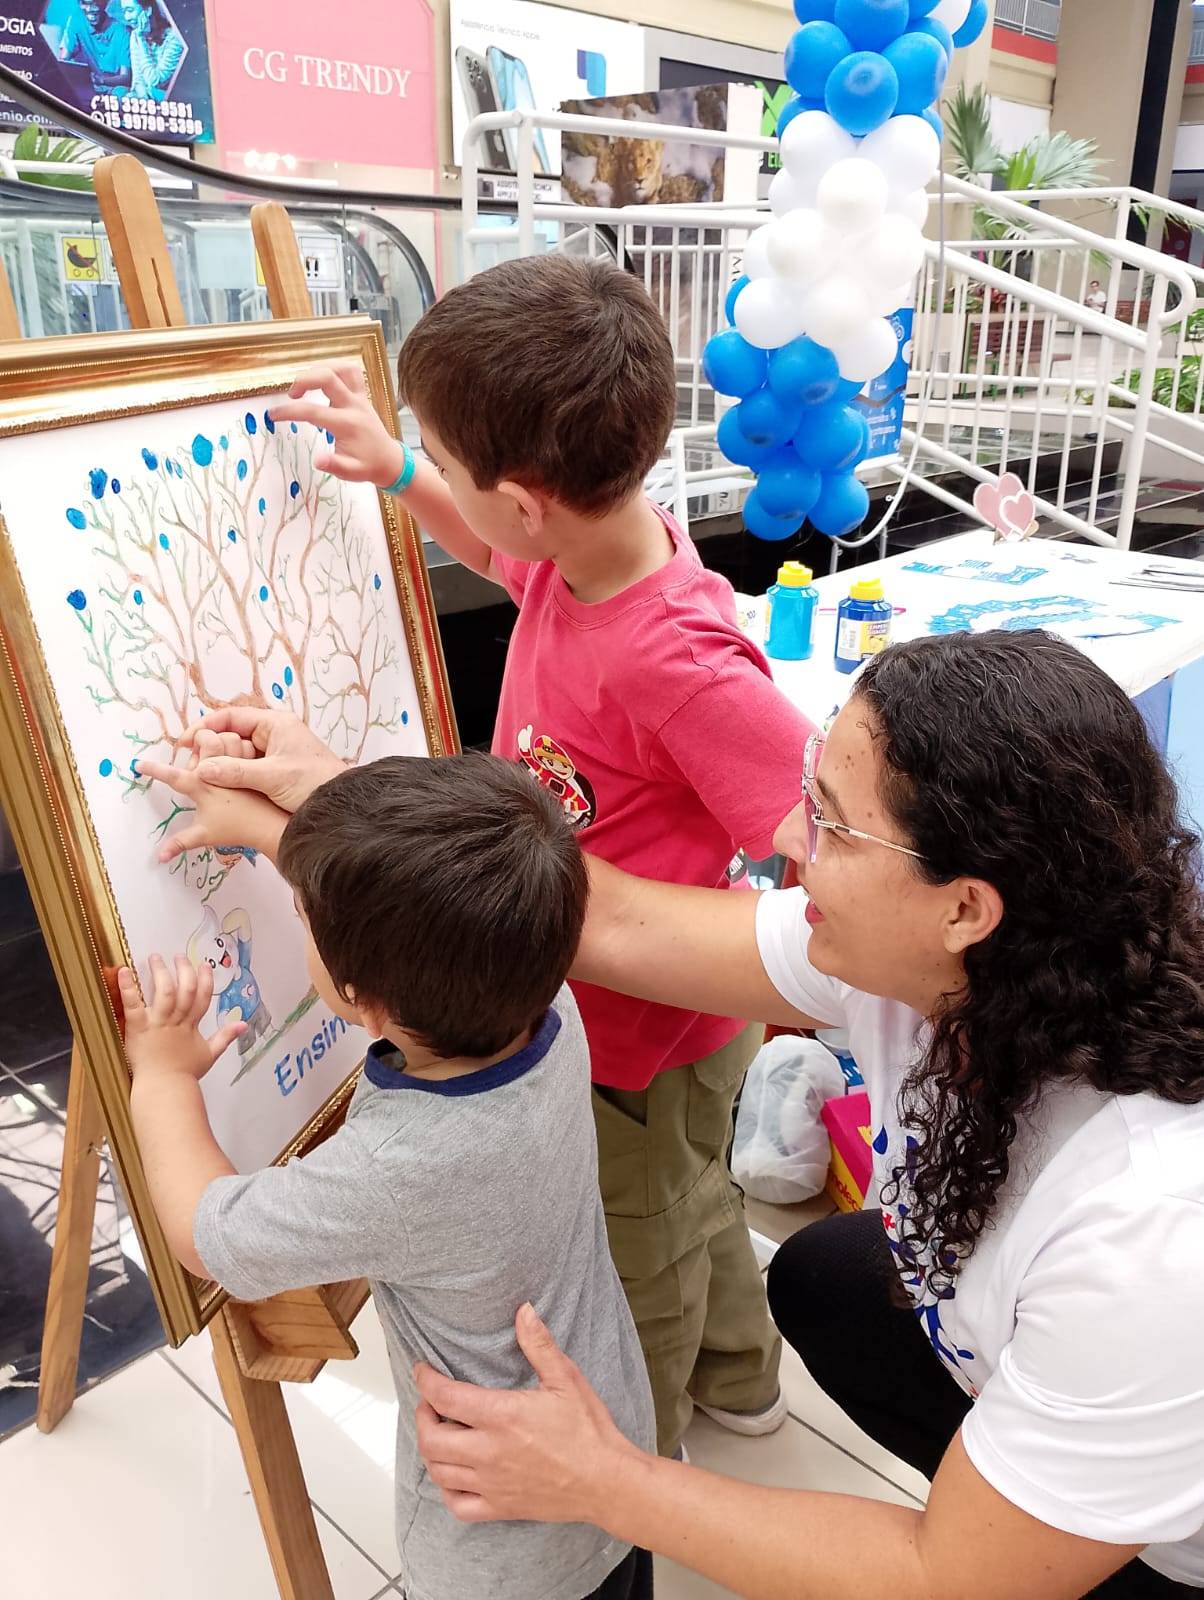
{"x":179,"y":562}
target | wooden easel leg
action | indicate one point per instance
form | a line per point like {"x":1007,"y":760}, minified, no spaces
{"x":269,"y":1454}
{"x":72,"y":1254}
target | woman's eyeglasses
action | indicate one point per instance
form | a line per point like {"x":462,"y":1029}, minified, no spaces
{"x":814,"y":813}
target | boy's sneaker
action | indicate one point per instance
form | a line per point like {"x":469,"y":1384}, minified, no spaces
{"x":750,"y":1423}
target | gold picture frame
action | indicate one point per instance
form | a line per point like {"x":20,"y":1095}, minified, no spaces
{"x":77,"y":383}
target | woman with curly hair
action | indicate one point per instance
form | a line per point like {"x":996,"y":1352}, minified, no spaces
{"x":1000,"y":903}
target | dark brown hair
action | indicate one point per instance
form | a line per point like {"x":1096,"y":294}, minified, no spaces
{"x":554,"y":372}
{"x":1013,"y":758}
{"x":448,"y":892}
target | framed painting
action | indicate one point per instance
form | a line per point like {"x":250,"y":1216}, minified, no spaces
{"x":166,"y":550}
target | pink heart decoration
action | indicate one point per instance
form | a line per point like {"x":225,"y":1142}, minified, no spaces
{"x":998,"y":502}
{"x":1016,"y":512}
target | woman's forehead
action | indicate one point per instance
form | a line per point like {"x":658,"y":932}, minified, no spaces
{"x":849,"y":768}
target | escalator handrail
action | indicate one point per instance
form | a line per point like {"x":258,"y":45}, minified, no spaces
{"x":115,"y":141}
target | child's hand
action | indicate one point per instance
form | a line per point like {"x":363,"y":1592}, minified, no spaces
{"x":164,"y":1036}
{"x":233,"y":817}
{"x":364,"y":449}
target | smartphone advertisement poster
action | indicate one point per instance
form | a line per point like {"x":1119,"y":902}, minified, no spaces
{"x":514,"y":55}
{"x":135,"y":65}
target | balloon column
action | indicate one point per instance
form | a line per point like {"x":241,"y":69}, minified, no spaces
{"x":860,"y":140}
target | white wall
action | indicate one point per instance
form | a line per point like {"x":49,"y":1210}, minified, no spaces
{"x":1014,"y":124}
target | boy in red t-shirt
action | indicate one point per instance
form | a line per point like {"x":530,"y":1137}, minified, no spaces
{"x":545,"y":390}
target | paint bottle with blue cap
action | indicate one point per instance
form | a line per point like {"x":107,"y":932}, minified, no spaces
{"x":790,"y":614}
{"x":862,"y":624}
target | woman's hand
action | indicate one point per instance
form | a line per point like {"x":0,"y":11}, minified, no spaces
{"x":231,"y":817}
{"x":271,"y":753}
{"x":544,"y":1455}
{"x":364,"y":449}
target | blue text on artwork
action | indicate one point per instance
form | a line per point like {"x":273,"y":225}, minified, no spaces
{"x":290,"y":1069}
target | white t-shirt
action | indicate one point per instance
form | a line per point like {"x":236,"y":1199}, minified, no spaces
{"x":1078,"y":1322}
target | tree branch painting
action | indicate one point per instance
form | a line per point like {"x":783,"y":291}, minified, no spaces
{"x":227,"y":571}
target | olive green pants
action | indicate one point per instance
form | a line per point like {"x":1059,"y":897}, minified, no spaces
{"x":675,"y":1217}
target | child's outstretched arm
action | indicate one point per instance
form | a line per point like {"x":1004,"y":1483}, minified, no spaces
{"x":168,"y":1058}
{"x":366,"y":452}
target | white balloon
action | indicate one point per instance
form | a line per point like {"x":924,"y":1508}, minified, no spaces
{"x":852,"y":196}
{"x":767,"y":314}
{"x":885,"y":302}
{"x":906,"y":150}
{"x":892,"y":254}
{"x":787,"y":193}
{"x":756,"y":254}
{"x":800,"y":245}
{"x":952,"y":13}
{"x":867,"y":353}
{"x":812,"y":142}
{"x":913,"y":206}
{"x":834,"y":310}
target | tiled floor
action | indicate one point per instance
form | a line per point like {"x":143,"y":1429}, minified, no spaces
{"x":141,"y":1492}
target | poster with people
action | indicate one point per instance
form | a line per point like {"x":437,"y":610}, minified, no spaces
{"x":138,"y":65}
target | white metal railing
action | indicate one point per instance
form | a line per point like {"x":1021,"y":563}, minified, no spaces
{"x":1039,"y":18}
{"x":1197,"y":41}
{"x":1010,"y":365}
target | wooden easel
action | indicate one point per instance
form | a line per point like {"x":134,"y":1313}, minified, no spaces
{"x":290,"y":1337}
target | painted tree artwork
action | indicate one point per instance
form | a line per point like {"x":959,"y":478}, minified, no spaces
{"x":175,"y":563}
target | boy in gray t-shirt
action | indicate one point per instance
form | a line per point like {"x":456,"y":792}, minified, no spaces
{"x":443,"y":900}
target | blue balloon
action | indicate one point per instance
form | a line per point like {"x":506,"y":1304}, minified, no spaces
{"x":764,"y":525}
{"x":935,"y":30}
{"x":803,"y":371}
{"x":846,"y":389}
{"x":737,"y":446}
{"x":921,"y":67}
{"x":871,"y":24}
{"x":976,"y":21}
{"x":792,"y":108}
{"x":788,"y":487}
{"x":732,"y":365}
{"x":733,"y":294}
{"x":933,"y":119}
{"x":862,"y":92}
{"x":843,"y":505}
{"x":921,"y":8}
{"x":833,"y":439}
{"x":766,"y":420}
{"x":811,"y":55}
{"x":814,"y":10}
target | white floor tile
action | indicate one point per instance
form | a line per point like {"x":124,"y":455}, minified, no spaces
{"x":779,"y":1222}
{"x":345,"y":1425}
{"x":139,"y":1494}
{"x":793,"y":1458}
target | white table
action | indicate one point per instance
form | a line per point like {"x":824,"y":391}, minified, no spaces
{"x":1150,"y":640}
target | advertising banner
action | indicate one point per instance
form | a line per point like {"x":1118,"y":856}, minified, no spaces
{"x":138,"y":65}
{"x":513,"y":55}
{"x":883,"y":398}
{"x":352,"y":82}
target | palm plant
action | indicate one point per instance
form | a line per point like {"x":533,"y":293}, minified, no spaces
{"x":1047,"y":161}
{"x":36,"y":144}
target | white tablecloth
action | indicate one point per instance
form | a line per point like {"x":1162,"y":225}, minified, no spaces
{"x":1140,"y":636}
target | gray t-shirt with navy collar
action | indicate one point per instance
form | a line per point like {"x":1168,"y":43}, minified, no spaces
{"x":459,"y":1201}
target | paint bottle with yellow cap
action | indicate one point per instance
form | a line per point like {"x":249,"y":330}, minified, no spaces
{"x":862,"y":624}
{"x":790,"y":613}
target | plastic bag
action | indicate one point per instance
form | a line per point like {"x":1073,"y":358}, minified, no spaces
{"x":780,"y":1152}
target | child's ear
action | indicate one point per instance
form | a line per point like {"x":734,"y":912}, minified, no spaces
{"x":528,"y":505}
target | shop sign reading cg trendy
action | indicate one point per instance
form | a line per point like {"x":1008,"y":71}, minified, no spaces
{"x":348,"y":83}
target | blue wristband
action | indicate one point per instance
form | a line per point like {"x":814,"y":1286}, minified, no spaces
{"x":406,"y":476}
